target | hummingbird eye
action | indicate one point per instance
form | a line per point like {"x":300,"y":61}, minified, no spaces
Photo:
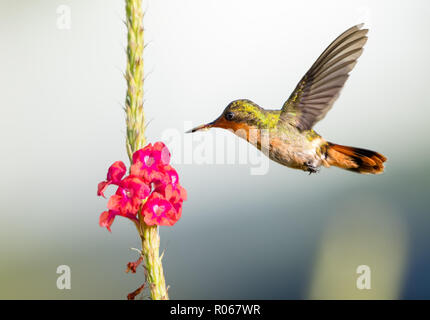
{"x":229,"y":116}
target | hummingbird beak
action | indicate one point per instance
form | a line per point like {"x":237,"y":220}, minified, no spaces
{"x":206,"y":126}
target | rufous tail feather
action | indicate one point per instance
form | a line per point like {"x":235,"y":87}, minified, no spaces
{"x":355,"y":159}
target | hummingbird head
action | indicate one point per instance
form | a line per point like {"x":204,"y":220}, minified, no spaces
{"x":239,"y":114}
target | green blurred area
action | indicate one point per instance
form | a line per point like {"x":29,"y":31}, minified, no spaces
{"x":311,"y":251}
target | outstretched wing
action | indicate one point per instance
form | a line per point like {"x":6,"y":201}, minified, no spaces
{"x":321,"y":85}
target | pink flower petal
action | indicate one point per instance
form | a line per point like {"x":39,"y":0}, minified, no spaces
{"x":106,"y":219}
{"x":116,"y":171}
{"x":164,"y":152}
{"x":159,"y":211}
{"x":102,"y":187}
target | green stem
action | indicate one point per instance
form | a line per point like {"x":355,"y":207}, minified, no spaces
{"x":135,"y":120}
{"x":154,"y":266}
{"x":135,"y":117}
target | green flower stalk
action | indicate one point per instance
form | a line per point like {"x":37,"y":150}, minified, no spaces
{"x":155,"y":274}
{"x":135,"y":117}
{"x":135,"y":120}
{"x":150,"y":195}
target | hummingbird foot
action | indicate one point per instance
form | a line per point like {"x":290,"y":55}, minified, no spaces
{"x":311,"y":168}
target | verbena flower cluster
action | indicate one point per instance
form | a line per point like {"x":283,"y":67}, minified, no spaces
{"x":151,"y":190}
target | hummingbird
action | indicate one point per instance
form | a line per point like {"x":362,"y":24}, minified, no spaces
{"x":290,"y":139}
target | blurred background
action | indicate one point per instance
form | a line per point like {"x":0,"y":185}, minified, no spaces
{"x":282,"y":235}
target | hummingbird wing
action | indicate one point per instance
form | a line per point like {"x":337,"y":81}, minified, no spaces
{"x":321,"y":85}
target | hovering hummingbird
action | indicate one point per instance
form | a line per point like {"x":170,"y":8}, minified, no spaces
{"x":291,"y":140}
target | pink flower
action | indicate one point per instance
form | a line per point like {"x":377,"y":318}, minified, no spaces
{"x":167,"y":175}
{"x":151,"y":178}
{"x":171,"y":174}
{"x":158,"y":211}
{"x":126,"y":201}
{"x":171,"y":190}
{"x":115,"y":173}
{"x":106,"y":219}
{"x":149,"y":161}
{"x":170,"y":186}
{"x":176,"y":195}
{"x":128,"y":198}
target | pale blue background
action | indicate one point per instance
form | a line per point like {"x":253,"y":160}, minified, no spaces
{"x":241,"y":236}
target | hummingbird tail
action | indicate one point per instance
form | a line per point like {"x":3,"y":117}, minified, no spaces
{"x":355,"y":159}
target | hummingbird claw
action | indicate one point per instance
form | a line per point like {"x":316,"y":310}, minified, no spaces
{"x":311,"y":168}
